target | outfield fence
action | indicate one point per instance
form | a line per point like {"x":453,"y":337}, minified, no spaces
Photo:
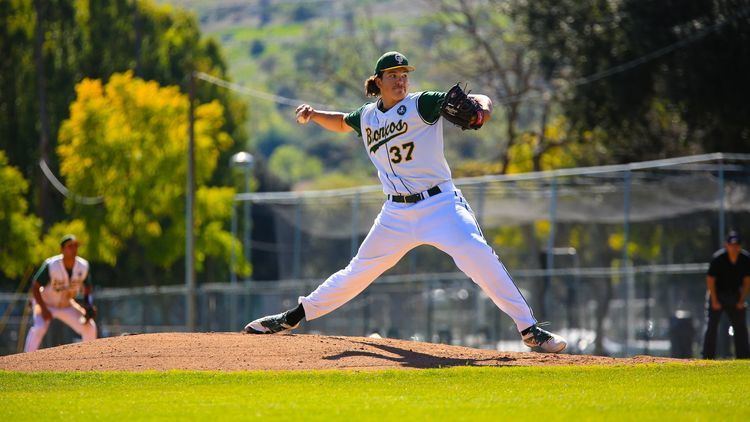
{"x":614,"y":257}
{"x":645,"y":310}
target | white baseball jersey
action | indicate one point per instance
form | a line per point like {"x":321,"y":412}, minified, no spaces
{"x":62,"y":287}
{"x":404,"y":145}
{"x":58,"y":294}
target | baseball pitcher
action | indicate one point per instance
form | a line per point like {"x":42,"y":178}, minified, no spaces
{"x":402,"y":133}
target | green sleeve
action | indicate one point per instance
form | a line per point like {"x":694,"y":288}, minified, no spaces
{"x":428,"y":105}
{"x":42,"y":275}
{"x":353,"y":120}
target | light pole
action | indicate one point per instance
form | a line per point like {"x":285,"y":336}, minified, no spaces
{"x":245,"y":160}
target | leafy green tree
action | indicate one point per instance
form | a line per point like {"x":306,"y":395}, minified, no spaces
{"x":96,"y":39}
{"x":19,"y":231}
{"x":126,"y":141}
{"x":339,"y":180}
{"x":655,"y":78}
{"x":481,"y":42}
{"x":554,"y":149}
{"x":291,"y":165}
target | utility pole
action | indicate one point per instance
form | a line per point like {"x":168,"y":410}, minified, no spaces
{"x":189,"y":207}
{"x":45,"y":203}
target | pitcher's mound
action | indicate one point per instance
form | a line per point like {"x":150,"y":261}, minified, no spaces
{"x":238,"y":352}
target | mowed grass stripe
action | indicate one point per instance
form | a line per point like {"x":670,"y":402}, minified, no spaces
{"x":644,"y":392}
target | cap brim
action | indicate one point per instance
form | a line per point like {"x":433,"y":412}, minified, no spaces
{"x":408,"y":68}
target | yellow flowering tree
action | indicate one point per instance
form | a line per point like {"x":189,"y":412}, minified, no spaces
{"x":126,"y":141}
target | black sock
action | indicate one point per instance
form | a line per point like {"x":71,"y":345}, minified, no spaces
{"x":295,"y":315}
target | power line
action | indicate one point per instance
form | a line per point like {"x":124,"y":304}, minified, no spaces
{"x":278,"y":99}
{"x":85,"y":200}
{"x":509,"y":99}
{"x":632,"y":63}
{"x":93,"y":200}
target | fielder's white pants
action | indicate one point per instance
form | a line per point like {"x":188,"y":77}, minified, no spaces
{"x":444,"y":221}
{"x":72,"y":316}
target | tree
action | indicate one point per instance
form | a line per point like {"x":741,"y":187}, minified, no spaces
{"x":43,"y":204}
{"x":126,"y":141}
{"x":50,"y":244}
{"x":292,"y":165}
{"x":654,"y":79}
{"x":19,"y":231}
{"x":56,"y":43}
{"x":482,"y":42}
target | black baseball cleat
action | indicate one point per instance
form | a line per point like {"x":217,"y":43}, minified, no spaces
{"x":271,"y":324}
{"x":543,"y":341}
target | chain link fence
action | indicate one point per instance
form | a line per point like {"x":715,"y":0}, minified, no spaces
{"x":614,"y":257}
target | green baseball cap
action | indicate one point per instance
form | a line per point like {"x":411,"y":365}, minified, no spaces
{"x":67,"y":238}
{"x":392,"y":60}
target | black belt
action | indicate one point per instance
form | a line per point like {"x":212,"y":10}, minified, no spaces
{"x":410,"y":199}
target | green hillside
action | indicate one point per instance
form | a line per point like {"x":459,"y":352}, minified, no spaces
{"x":276,"y":47}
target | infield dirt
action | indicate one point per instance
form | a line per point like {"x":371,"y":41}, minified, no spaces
{"x":238,"y":352}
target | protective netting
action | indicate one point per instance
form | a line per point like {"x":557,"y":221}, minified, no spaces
{"x":654,"y":195}
{"x":614,"y":257}
{"x":657,"y":207}
{"x":662,"y":315}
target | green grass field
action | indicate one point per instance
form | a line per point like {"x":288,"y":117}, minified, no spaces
{"x":715,"y":391}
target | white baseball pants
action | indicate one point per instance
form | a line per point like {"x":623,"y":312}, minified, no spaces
{"x":444,"y":221}
{"x":72,"y":316}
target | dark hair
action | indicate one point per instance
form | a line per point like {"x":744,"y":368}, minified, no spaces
{"x":371,"y":87}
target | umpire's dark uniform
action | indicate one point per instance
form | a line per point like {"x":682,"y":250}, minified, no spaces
{"x":728,"y":279}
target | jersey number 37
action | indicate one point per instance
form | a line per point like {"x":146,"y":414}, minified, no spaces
{"x":397,"y":157}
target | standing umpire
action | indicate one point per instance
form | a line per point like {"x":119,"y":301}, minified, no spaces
{"x":728,"y":282}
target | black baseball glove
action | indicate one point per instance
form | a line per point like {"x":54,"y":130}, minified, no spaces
{"x":462,"y":110}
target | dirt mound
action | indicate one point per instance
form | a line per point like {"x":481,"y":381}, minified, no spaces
{"x":238,"y":352}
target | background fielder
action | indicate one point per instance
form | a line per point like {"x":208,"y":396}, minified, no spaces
{"x":403,"y":136}
{"x":64,"y":277}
